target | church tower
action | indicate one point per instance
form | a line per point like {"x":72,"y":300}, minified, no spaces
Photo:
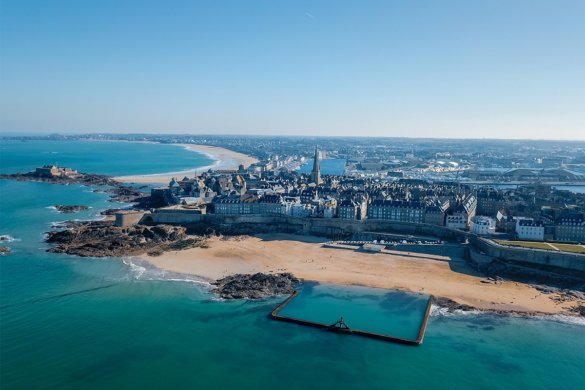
{"x":316,"y":172}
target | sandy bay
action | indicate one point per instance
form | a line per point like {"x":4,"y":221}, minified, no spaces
{"x":223,"y":159}
{"x":308,"y":259}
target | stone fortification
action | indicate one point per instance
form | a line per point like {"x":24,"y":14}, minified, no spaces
{"x":341,"y":229}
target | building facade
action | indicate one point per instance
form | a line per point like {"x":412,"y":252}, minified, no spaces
{"x":529,"y":229}
{"x":483,"y":225}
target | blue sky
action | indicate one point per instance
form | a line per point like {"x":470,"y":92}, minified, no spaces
{"x":434,"y":68}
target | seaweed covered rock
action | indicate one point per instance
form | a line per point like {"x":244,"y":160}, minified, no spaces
{"x":255,"y":286}
{"x":67,"y":209}
{"x":102,"y":238}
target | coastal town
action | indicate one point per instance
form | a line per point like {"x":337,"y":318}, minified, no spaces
{"x":292,"y":195}
{"x":514,"y":231}
{"x":533,"y":211}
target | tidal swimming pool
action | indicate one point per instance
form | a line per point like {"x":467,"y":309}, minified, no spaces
{"x":386,"y":312}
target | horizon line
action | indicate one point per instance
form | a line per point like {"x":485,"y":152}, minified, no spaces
{"x":5,"y":135}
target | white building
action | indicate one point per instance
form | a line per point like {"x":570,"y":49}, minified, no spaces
{"x":483,"y":225}
{"x":529,"y":229}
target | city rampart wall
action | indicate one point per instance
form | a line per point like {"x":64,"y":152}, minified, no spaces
{"x":340,"y":228}
{"x":565,"y":260}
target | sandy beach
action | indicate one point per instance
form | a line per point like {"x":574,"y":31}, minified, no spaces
{"x":224,"y":159}
{"x":306,"y":258}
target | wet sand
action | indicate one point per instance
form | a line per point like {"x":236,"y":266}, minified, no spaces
{"x":306,"y":258}
{"x":224,"y":159}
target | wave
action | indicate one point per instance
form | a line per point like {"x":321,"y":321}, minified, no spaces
{"x":440,"y":311}
{"x":63,"y":224}
{"x":211,"y":156}
{"x":7,"y":238}
{"x":142,"y":270}
{"x":562,"y":318}
{"x":59,"y":225}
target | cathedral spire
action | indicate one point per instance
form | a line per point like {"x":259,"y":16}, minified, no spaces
{"x":316,"y":172}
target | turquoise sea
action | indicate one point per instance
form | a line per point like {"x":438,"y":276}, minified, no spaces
{"x":105,"y":157}
{"x":71,"y":323}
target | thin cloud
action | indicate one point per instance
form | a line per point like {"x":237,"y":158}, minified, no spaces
{"x":309,"y":15}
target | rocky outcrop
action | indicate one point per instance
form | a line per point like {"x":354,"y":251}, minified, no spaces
{"x":119,"y":192}
{"x":102,"y":238}
{"x":67,"y":209}
{"x":451,"y":305}
{"x":579,"y":310}
{"x":4,"y":250}
{"x":256,"y":286}
{"x":89,"y":179}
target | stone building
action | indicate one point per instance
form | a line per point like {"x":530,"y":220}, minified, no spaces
{"x":489,"y":201}
{"x":397,"y":210}
{"x":570,"y":227}
{"x":52,"y":171}
{"x":459,"y":216}
{"x":435,"y":212}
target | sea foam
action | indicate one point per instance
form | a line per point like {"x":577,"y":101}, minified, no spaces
{"x":142,"y":270}
{"x":7,"y":238}
{"x":439,"y":311}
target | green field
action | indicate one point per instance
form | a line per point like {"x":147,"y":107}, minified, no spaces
{"x":543,"y":245}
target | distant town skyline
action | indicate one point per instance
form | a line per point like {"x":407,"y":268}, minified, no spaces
{"x":427,"y":69}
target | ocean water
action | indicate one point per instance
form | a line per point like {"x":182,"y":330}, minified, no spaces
{"x":391,"y":313}
{"x":70,"y":323}
{"x":105,"y":157}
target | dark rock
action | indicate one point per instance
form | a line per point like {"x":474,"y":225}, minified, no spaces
{"x":102,"y":238}
{"x":580,"y":310}
{"x":110,"y":211}
{"x":81,"y":178}
{"x":256,"y":286}
{"x":67,"y":209}
{"x":119,"y":192}
{"x":451,"y":305}
{"x":4,"y":250}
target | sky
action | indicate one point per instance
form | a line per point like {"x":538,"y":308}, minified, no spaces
{"x":416,"y":68}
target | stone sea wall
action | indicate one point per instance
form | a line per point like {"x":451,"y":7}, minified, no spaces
{"x":564,"y":260}
{"x":342,"y":229}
